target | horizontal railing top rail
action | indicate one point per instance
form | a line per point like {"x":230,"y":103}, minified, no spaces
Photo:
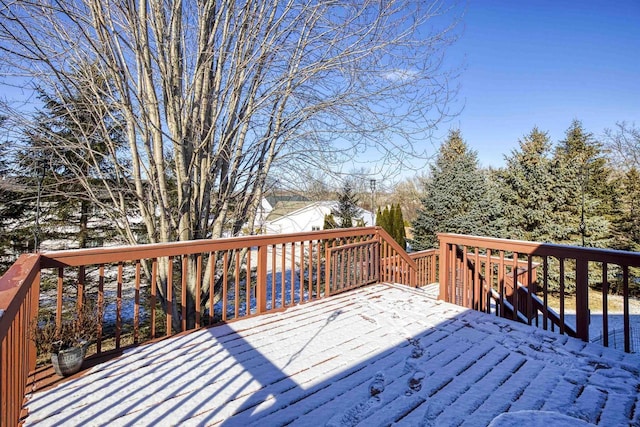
{"x":115,"y":254}
{"x":612,"y":256}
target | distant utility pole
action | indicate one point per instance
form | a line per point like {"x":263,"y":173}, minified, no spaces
{"x":372,"y":184}
{"x":41,"y":171}
{"x":583,"y":225}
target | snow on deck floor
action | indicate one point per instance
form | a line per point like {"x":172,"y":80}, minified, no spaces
{"x":380,"y":355}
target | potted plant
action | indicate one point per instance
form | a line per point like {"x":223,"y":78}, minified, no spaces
{"x":67,"y":343}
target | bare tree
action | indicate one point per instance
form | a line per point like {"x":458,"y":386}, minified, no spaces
{"x":214,"y":95}
{"x":623,"y":145}
{"x":408,"y":194}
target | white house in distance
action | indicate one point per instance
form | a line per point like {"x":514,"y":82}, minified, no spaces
{"x":296,"y":217}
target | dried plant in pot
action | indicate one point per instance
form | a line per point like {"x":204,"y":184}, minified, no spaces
{"x":67,"y":343}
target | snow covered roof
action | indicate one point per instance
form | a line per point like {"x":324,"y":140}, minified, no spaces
{"x":380,"y":355}
{"x":282,"y":209}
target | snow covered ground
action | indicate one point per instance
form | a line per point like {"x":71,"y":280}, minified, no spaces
{"x":615,"y":323}
{"x":380,"y":355}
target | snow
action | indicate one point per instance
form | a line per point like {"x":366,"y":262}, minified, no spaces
{"x":536,"y":419}
{"x":380,"y":355}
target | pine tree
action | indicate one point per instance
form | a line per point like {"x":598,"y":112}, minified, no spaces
{"x":16,"y":229}
{"x":526,"y":189}
{"x":347,"y":212}
{"x":382,"y":218}
{"x":583,"y":190}
{"x":456,"y":197}
{"x":379,"y":218}
{"x":65,"y":120}
{"x":392,"y":222}
{"x":627,"y":222}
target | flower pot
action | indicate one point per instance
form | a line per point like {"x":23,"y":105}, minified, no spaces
{"x":68,"y":361}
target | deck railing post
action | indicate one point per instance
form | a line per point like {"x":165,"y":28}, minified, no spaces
{"x":33,"y":317}
{"x":582,"y":299}
{"x":327,"y":268}
{"x":433,"y":277}
{"x":261,"y":286}
{"x":444,"y":271}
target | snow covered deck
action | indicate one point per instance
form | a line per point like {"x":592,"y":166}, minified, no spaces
{"x":378,"y":355}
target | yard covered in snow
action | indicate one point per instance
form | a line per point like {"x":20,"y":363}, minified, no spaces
{"x":380,"y":355}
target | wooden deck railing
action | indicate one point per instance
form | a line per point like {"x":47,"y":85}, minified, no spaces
{"x":353,"y":265}
{"x":426,"y":266}
{"x":396,"y":266}
{"x":155,"y":290}
{"x":18,"y":305}
{"x":150,"y":291}
{"x":476,"y":270}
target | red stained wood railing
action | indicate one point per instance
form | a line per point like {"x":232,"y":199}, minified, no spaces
{"x":19,"y":290}
{"x":143,"y":291}
{"x":478,"y":272}
{"x":426,"y":265}
{"x":353,"y":265}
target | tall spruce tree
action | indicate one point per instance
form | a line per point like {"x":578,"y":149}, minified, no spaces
{"x":526,"y":189}
{"x":379,"y":218}
{"x":456,"y":197}
{"x":15,"y":231}
{"x":584,"y":192}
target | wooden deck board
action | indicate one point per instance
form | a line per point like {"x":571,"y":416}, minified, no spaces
{"x":315,"y":364}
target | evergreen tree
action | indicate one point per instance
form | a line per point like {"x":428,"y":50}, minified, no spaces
{"x":382,"y":219}
{"x":456,"y":197}
{"x":15,"y":231}
{"x":392,"y":222}
{"x":379,"y":218}
{"x":329,"y":222}
{"x":583,"y":191}
{"x":526,"y":189}
{"x":627,"y":222}
{"x":16,"y":205}
{"x":4,"y":161}
{"x":65,"y":120}
{"x":399,"y":233}
{"x":347,"y":212}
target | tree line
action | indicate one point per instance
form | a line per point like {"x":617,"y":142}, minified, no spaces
{"x":579,"y":191}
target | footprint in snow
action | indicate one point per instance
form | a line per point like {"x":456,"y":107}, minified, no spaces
{"x":415,"y":382}
{"x":363,"y":409}
{"x":431,"y":415}
{"x":377,"y":386}
{"x":355,"y":414}
{"x":417,"y":351}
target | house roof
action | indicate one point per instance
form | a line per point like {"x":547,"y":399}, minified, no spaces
{"x":383,"y":354}
{"x":274,"y":199}
{"x":282,"y":209}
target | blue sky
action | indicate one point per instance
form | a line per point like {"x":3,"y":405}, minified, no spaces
{"x":545,"y":63}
